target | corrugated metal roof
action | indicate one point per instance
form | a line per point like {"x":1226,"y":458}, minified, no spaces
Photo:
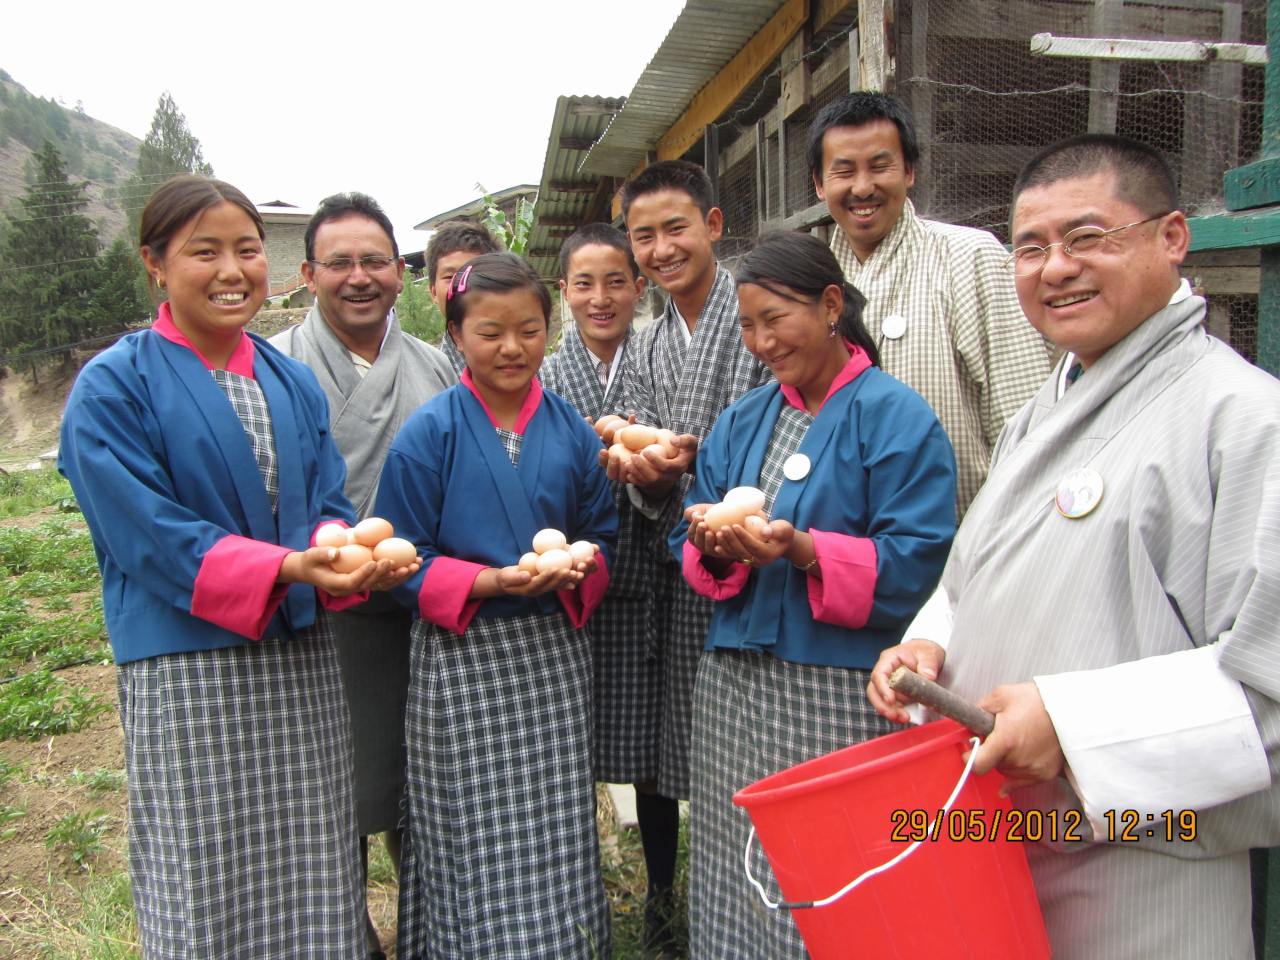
{"x":705,"y":37}
{"x":565,"y":194}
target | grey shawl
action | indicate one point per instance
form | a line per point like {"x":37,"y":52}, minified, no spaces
{"x":1183,"y":550}
{"x":365,"y":413}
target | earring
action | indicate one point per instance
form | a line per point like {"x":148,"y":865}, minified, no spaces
{"x":159,"y":281}
{"x":831,"y":332}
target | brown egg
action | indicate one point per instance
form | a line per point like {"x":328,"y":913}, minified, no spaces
{"x":331,"y":535}
{"x":609,"y":433}
{"x":549,"y":539}
{"x":372,"y":531}
{"x":755,"y":524}
{"x":558,"y":559}
{"x":529,"y":563}
{"x":582,"y":550}
{"x":400,"y":552}
{"x":619,"y":456}
{"x":607,"y":419}
{"x":637,"y":436}
{"x":725,"y":515}
{"x":351,"y":557}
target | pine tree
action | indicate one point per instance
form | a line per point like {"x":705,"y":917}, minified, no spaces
{"x":169,"y":149}
{"x":117,"y":299}
{"x":47,"y":261}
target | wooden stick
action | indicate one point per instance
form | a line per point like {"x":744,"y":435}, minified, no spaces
{"x":942,"y":700}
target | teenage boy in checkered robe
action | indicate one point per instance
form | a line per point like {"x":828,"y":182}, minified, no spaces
{"x":692,"y":365}
{"x":594,"y":369}
{"x":941,"y":305}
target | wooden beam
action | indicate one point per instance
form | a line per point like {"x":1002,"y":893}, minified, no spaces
{"x":875,"y":67}
{"x":827,"y":10}
{"x":795,"y":75}
{"x":1226,"y":231}
{"x":558,"y":220}
{"x":725,"y":87}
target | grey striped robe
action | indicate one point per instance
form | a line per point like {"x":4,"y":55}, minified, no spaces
{"x":1182,"y":551}
{"x":684,"y":388}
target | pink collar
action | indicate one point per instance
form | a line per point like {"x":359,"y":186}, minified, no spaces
{"x":241,"y":360}
{"x":858,"y":362}
{"x":527,"y":409}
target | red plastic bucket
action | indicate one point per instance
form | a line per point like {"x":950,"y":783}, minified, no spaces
{"x":967,"y":893}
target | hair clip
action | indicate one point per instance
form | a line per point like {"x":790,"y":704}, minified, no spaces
{"x":459,"y":285}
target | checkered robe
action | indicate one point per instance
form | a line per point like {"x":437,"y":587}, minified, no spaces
{"x":968,"y":349}
{"x":238,"y":761}
{"x":501,"y":856}
{"x":452,"y":353}
{"x":623,"y":627}
{"x":684,"y":389}
{"x":753,"y":715}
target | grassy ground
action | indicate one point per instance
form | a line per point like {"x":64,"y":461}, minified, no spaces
{"x":65,"y":892}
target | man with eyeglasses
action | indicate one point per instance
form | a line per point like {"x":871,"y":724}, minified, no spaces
{"x":1113,"y":595}
{"x":374,"y":375}
{"x":939,"y":302}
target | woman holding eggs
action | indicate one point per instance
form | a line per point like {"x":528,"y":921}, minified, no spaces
{"x":202,"y":461}
{"x":859,"y":485}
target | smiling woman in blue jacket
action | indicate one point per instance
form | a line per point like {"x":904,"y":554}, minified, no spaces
{"x":859,"y":485}
{"x":201,"y":458}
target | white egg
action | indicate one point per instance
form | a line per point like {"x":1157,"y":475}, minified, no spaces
{"x":582,"y":550}
{"x":529,"y":563}
{"x":557,"y":559}
{"x":750,"y":497}
{"x":399,"y":551}
{"x":549,"y":539}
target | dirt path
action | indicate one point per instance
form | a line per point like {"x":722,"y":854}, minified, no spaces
{"x":29,"y":415}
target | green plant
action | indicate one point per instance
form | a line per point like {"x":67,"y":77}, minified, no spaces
{"x":101,"y":780}
{"x":38,"y":704}
{"x":514,"y":234}
{"x":418,"y":313}
{"x":28,"y":490}
{"x":8,"y":770}
{"x":8,"y":813}
{"x":79,"y":835}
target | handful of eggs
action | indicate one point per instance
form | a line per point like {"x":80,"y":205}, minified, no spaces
{"x":741,"y":505}
{"x":552,"y":551}
{"x":625,"y":440}
{"x":370,"y":539}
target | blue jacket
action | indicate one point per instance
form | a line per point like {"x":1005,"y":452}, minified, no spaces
{"x":163,"y":470}
{"x":881,"y":468}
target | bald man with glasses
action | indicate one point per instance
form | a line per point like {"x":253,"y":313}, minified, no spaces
{"x":1113,"y":595}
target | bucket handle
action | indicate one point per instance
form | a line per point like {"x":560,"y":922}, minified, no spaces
{"x":825,"y":901}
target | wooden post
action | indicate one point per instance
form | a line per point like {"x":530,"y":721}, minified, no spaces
{"x":921,"y":101}
{"x":1105,"y":20}
{"x":1269,"y":288}
{"x":874,"y":65}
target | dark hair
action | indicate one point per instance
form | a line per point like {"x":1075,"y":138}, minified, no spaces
{"x":670,"y":175}
{"x":454,"y":236}
{"x":856,"y":110}
{"x":787,"y":263}
{"x":493,"y":273}
{"x":179,"y":200}
{"x":604,"y":234}
{"x":344,"y":205}
{"x":1143,"y":177}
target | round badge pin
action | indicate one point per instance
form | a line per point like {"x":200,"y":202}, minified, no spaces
{"x":796,"y":467}
{"x":894,"y":326}
{"x":1078,"y":493}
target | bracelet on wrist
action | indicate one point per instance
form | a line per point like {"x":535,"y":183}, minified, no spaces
{"x":806,"y":567}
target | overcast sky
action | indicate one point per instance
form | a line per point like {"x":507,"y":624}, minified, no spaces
{"x":413,"y":104}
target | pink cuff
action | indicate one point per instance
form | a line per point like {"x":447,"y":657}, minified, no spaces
{"x":705,"y":583}
{"x":445,"y":596}
{"x":849,"y":566}
{"x":236,"y":585}
{"x":334,"y":604}
{"x":582,"y":601}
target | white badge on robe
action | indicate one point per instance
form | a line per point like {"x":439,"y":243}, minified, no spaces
{"x":1079,"y":492}
{"x":894,"y":326}
{"x":796,"y":467}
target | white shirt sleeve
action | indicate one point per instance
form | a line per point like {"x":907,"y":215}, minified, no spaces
{"x":932,"y":622}
{"x":651,"y":509}
{"x":1164,"y":733}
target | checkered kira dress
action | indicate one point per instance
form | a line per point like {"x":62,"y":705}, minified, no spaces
{"x":624,"y":627}
{"x":685,"y":388}
{"x":501,"y":857}
{"x":242,"y":837}
{"x":754,"y":715}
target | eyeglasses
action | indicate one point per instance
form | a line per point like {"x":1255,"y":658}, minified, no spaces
{"x":1081,"y":243}
{"x":370,"y":264}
